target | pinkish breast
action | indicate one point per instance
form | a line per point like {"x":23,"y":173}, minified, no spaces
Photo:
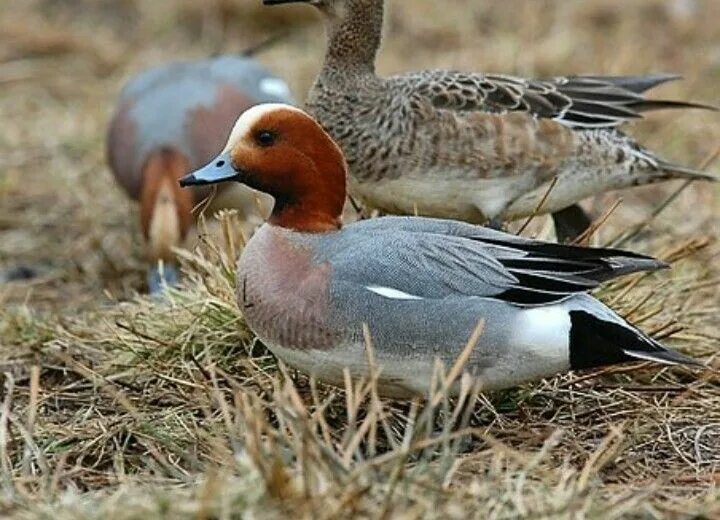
{"x":283,"y":293}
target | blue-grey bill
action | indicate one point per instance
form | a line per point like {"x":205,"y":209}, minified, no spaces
{"x":219,"y":169}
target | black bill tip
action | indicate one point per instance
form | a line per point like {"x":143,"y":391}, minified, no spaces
{"x":191,"y":180}
{"x":218,"y":170}
{"x":195,"y":179}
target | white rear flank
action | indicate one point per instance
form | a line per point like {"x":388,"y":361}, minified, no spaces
{"x":542,"y":333}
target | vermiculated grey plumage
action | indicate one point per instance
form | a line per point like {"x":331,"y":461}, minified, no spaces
{"x":421,"y":286}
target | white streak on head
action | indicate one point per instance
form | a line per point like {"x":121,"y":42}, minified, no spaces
{"x":393,"y":294}
{"x":274,"y":87}
{"x":249,"y":119}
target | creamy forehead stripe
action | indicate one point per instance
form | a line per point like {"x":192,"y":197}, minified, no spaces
{"x":248,"y":119}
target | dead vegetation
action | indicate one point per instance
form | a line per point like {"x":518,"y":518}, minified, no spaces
{"x":118,"y":406}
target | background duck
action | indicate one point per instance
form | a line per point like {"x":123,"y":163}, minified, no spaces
{"x":473,"y":146}
{"x":307,"y":285}
{"x":171,"y":119}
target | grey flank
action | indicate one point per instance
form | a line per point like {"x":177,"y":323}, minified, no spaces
{"x":443,"y":277}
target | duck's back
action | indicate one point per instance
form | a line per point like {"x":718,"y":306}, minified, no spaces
{"x":188,"y":106}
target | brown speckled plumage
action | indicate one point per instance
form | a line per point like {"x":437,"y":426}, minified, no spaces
{"x":475,"y":146}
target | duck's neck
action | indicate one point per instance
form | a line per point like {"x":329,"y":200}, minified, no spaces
{"x":353,"y":41}
{"x":314,"y":211}
{"x":314,"y":202}
{"x":298,"y":218}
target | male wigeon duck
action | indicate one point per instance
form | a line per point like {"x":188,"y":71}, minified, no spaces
{"x":306,"y":284}
{"x":477,"y":147}
{"x":170,"y":120}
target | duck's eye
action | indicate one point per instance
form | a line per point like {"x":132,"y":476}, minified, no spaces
{"x":265,"y":138}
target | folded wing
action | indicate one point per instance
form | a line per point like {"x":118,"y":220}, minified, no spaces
{"x":575,"y":101}
{"x":431,"y":258}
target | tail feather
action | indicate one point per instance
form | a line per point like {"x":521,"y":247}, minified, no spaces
{"x":639,"y":84}
{"x":624,"y":265}
{"x":596,"y":341}
{"x":675,"y":171}
{"x":647,"y":105}
{"x":656,"y":169}
{"x":667,"y":357}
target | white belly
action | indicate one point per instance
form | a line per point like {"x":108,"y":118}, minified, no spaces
{"x":471,"y":200}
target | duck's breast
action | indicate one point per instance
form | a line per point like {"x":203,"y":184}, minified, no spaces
{"x":284,"y":293}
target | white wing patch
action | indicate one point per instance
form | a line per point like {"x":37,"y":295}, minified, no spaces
{"x":274,"y":87}
{"x":393,"y":294}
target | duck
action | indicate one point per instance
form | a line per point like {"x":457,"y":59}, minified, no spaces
{"x":307,"y":284}
{"x":479,"y":147}
{"x":169,"y":120}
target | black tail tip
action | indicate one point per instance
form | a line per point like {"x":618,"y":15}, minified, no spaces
{"x":595,"y":342}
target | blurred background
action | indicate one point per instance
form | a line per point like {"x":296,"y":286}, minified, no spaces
{"x":68,"y":235}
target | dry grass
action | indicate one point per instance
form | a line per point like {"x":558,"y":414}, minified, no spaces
{"x":118,"y":406}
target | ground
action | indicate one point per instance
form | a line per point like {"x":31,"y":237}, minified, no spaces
{"x":116,"y":405}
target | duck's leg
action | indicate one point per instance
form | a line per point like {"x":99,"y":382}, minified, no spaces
{"x":452,"y":420}
{"x":161,"y":276}
{"x":570,"y":223}
{"x":496,"y":223}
